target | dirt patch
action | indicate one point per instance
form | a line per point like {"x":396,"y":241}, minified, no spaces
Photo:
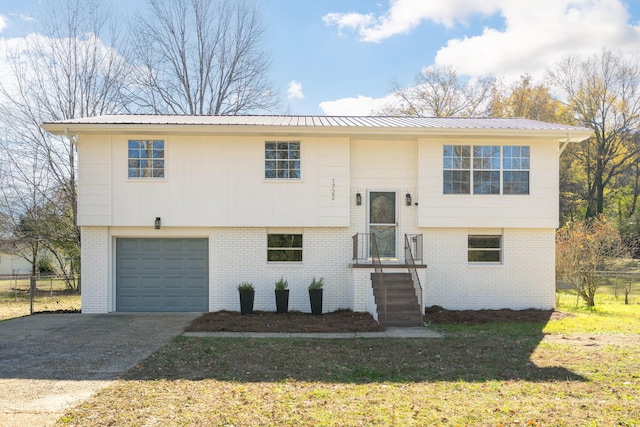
{"x":349,"y":321}
{"x":437,"y":314}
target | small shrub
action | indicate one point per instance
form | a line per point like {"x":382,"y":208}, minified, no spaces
{"x":316,"y":284}
{"x":245,"y":286}
{"x":282,"y":284}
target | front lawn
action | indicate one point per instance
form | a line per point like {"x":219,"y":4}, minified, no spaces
{"x":564,"y":372}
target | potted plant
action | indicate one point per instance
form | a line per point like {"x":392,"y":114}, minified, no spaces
{"x":315,"y":295}
{"x":247,"y":294}
{"x":282,"y":296}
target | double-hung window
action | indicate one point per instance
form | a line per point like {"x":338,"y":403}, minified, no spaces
{"x":485,"y":169}
{"x":515,"y":166}
{"x":284,"y":247}
{"x":146,"y":159}
{"x":282,"y":160}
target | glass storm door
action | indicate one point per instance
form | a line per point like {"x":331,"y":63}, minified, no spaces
{"x":382,"y":222}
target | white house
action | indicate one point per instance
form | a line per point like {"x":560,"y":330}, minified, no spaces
{"x":11,"y":260}
{"x":176,"y":211}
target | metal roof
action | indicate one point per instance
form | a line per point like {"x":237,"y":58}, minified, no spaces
{"x":324,"y":122}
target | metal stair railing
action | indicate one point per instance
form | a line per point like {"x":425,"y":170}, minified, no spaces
{"x":411,"y":264}
{"x":363,"y":243}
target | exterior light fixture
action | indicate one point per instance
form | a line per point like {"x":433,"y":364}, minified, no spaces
{"x":408,"y":197}
{"x":358,"y":199}
{"x":157,"y":223}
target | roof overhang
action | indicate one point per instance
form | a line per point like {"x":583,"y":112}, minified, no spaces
{"x":368,"y":127}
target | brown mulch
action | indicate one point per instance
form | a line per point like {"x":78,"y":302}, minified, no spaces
{"x":293,"y":321}
{"x":349,"y":321}
{"x":437,"y":314}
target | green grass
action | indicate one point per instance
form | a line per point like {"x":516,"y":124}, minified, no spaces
{"x":566,"y":372}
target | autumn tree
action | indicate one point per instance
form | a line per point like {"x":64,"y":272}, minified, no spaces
{"x":202,"y":57}
{"x":526,"y":99}
{"x":440,"y":92}
{"x":583,"y":249}
{"x":603,"y":93}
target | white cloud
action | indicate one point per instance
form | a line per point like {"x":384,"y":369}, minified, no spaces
{"x":529,"y":39}
{"x":295,"y":90}
{"x":536,"y":38}
{"x":404,"y":15}
{"x":359,"y":106}
{"x":3,"y":23}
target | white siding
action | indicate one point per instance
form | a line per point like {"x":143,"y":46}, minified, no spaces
{"x":94,"y":180}
{"x":214,"y":181}
{"x":538,"y":209}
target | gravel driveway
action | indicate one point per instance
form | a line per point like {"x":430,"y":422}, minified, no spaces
{"x":52,"y":362}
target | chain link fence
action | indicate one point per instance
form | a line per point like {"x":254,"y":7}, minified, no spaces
{"x":22,"y":295}
{"x":622,"y":285}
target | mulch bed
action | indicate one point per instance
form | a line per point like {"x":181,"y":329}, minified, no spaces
{"x":437,"y":314}
{"x":348,"y":321}
{"x":293,"y":321}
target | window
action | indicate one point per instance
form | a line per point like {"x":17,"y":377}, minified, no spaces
{"x":146,"y":159}
{"x":282,"y":160}
{"x":515,"y":164}
{"x":284,"y":247}
{"x":457,"y":167}
{"x":485,"y":249}
{"x":481,"y":169}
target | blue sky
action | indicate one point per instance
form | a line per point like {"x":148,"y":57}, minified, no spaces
{"x":341,"y":56}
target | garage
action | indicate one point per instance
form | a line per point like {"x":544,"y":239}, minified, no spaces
{"x":162,"y":274}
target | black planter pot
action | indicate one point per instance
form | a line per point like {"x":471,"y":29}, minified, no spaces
{"x":315,"y":298}
{"x":282,"y":300}
{"x":246,"y":301}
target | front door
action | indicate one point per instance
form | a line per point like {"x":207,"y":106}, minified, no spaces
{"x":382,"y":222}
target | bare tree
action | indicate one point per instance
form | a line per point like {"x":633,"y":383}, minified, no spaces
{"x":602,"y":93}
{"x":202,"y":57}
{"x":439,"y":92}
{"x":65,"y":71}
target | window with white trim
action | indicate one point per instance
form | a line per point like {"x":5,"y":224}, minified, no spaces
{"x":284,"y":247}
{"x":484,"y":249}
{"x":486,"y":169}
{"x":146,"y":159}
{"x":282,"y":160}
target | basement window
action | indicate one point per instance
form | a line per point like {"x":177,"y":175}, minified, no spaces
{"x":284,"y":247}
{"x":484,"y":249}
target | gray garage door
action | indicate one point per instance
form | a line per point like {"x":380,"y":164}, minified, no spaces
{"x":162,"y":275}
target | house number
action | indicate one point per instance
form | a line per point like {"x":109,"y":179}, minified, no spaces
{"x":333,"y":189}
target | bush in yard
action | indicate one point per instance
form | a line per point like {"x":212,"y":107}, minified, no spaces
{"x":584,"y":248}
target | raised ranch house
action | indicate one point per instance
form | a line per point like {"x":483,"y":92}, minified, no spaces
{"x":176,"y":211}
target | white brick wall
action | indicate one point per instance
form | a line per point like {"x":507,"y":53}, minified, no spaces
{"x":240,"y":255}
{"x":95,"y":269}
{"x":525,"y":279}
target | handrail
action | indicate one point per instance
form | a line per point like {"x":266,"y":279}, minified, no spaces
{"x":411,"y":265}
{"x":361,"y":252}
{"x":377,"y":264}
